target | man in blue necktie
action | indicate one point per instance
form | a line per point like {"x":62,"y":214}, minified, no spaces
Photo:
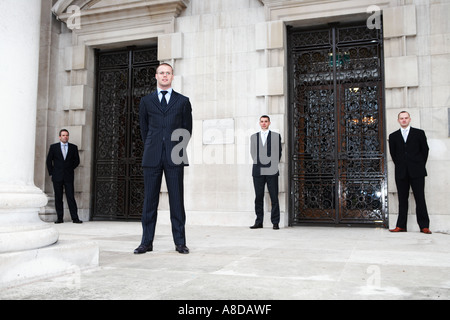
{"x":165,"y":118}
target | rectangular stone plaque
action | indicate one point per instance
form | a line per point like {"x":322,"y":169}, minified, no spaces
{"x":218,"y":131}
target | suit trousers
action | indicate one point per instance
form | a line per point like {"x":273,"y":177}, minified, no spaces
{"x":174,"y":176}
{"x":59,"y":187}
{"x":259,"y":183}
{"x":418,"y":187}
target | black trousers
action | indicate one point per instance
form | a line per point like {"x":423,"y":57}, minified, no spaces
{"x":59,"y":187}
{"x":174,"y":176}
{"x":259,"y":183}
{"x":418,"y":187}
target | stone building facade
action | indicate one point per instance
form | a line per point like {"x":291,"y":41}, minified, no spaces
{"x":237,"y":60}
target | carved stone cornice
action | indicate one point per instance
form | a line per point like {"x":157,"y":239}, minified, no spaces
{"x":98,"y":22}
{"x":294,"y":10}
{"x":127,"y":9}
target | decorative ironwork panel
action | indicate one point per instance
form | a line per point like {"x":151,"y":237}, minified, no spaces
{"x":337,"y":169}
{"x":123,"y":77}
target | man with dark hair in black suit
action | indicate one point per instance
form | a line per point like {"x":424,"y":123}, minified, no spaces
{"x":62,"y":159}
{"x":265,"y":148}
{"x":409,"y":150}
{"x":165,"y":118}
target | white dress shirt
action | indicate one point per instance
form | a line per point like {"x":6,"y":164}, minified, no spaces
{"x":264,"y":135}
{"x":167,"y":96}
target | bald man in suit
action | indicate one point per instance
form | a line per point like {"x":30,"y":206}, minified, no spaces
{"x":409,"y":150}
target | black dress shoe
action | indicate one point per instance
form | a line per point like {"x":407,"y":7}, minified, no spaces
{"x":275,"y":226}
{"x":256,"y":226}
{"x":182,"y":249}
{"x":143,"y":249}
{"x":59,"y":221}
{"x":77,"y":221}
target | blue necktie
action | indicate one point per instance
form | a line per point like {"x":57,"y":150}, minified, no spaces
{"x":163,"y":99}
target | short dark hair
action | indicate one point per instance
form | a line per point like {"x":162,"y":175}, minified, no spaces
{"x":264,"y":116}
{"x":62,"y":130}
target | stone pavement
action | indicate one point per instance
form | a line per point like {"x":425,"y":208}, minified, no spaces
{"x":238,"y":263}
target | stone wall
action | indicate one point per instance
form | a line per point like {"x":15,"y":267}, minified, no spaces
{"x":229,"y":58}
{"x":228,"y":72}
{"x":417,"y":54}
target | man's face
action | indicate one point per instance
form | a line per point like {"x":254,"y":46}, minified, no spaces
{"x":264,"y":123}
{"x":164,"y":77}
{"x":64,"y":137}
{"x":404,"y":119}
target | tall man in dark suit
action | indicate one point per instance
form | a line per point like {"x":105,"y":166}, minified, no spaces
{"x":62,"y":159}
{"x":265,"y":148}
{"x":409,"y":150}
{"x":165,"y":118}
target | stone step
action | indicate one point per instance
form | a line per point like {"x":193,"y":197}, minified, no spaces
{"x":62,"y":258}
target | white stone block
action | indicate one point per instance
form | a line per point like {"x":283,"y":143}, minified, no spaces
{"x":170,"y":46}
{"x":77,"y":97}
{"x":400,"y":21}
{"x":402,"y":72}
{"x":440,"y":66}
{"x":177,"y":83}
{"x":79,"y":55}
{"x":269,"y":35}
{"x":62,"y":258}
{"x":75,"y":135}
{"x":440,"y":96}
{"x":269,"y":81}
{"x":439,"y":17}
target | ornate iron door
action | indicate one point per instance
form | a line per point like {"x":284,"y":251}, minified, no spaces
{"x":123,"y":77}
{"x":337,"y":154}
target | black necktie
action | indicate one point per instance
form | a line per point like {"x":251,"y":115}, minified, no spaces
{"x":163,"y":99}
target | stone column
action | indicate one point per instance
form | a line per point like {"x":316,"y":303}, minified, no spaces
{"x":20,"y":200}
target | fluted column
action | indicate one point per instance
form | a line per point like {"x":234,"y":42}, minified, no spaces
{"x":20,"y":200}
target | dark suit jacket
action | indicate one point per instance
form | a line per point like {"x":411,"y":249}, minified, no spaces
{"x":263,"y":162}
{"x":410,"y":157}
{"x":60,"y":169}
{"x":159,"y":127}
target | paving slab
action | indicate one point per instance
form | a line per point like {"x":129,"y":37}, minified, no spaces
{"x":237,"y":263}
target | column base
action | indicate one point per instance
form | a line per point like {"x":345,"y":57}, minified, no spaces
{"x":27,"y":237}
{"x":17,"y":268}
{"x":20,"y":225}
